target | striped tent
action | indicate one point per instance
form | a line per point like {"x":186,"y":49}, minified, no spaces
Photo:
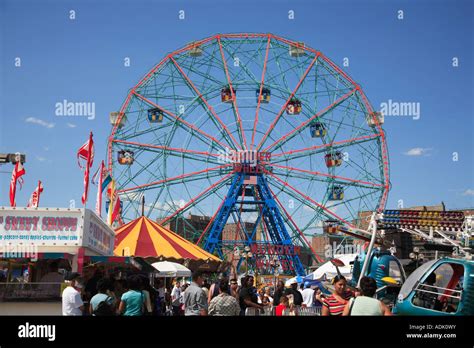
{"x":146,"y":238}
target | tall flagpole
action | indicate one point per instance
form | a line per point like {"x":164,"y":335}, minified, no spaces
{"x":111,"y":203}
{"x":39,"y":193}
{"x":86,"y":174}
{"x":98,"y":206}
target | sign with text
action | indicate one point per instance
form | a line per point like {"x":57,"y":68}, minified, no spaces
{"x":55,"y":227}
{"x":98,"y":236}
{"x":40,"y":227}
{"x":263,"y":254}
{"x":275,"y":249}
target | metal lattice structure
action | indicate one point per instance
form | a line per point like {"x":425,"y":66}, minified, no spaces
{"x":259,"y":109}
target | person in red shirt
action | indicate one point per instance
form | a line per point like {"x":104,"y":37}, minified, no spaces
{"x":284,"y":304}
{"x":335,"y":303}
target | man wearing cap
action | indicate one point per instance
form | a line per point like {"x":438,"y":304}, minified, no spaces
{"x":71,"y":297}
{"x":297,"y":298}
{"x":308,"y":295}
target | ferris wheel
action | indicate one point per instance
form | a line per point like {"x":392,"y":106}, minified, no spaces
{"x":255,"y":128}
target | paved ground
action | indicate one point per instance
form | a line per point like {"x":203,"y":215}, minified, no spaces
{"x":30,"y":308}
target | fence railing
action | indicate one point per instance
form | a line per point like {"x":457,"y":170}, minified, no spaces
{"x":298,"y":311}
{"x":30,"y":291}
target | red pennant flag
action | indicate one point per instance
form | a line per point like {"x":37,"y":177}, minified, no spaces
{"x":35,"y":196}
{"x":86,"y":152}
{"x":116,"y":212}
{"x":18,"y":171}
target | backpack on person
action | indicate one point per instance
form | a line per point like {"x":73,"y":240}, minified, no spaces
{"x":104,"y":309}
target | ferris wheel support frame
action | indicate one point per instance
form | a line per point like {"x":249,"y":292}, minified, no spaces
{"x":270,"y":214}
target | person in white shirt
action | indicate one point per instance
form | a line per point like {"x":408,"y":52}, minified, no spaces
{"x":72,"y":303}
{"x":268,"y":296}
{"x":308,"y":295}
{"x":176,"y":298}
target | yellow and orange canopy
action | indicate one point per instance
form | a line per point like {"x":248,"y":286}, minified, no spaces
{"x":146,"y":238}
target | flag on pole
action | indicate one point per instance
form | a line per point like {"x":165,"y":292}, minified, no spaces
{"x":86,"y":152}
{"x":35,"y":196}
{"x":116,"y":212}
{"x":98,"y":179}
{"x":114,"y":204}
{"x":18,"y":171}
{"x":106,"y":180}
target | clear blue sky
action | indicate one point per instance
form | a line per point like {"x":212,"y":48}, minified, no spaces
{"x":407,"y":60}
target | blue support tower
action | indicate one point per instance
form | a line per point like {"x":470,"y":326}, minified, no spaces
{"x":269,"y":213}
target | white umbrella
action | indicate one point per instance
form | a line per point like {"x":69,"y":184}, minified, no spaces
{"x":171,"y":269}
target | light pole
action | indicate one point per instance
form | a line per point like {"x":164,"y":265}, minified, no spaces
{"x":246,"y":254}
{"x":12,"y":158}
{"x":416,"y":255}
{"x":236,"y":255}
{"x":275,"y":265}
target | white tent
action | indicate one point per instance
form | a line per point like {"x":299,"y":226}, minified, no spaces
{"x":328,"y":270}
{"x":168,"y":269}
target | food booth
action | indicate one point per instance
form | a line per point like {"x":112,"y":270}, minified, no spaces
{"x":39,"y":245}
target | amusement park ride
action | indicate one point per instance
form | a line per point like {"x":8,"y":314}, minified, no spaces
{"x":254,"y":128}
{"x":442,"y":286}
{"x":268,"y":131}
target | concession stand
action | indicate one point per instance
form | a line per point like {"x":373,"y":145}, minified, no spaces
{"x":39,"y":245}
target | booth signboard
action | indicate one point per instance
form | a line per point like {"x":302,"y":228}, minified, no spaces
{"x":98,"y":236}
{"x":41,"y":227}
{"x":55,"y":229}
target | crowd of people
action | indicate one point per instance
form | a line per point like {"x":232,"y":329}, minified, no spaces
{"x":135,"y":296}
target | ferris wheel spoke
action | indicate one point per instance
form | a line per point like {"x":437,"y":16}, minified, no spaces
{"x":308,"y":151}
{"x":305,"y":124}
{"x":286,"y":184}
{"x":272,"y":126}
{"x":341,"y":179}
{"x":281,"y":73}
{"x":196,"y":155}
{"x":179,"y":178}
{"x":267,"y":50}
{"x":208,"y":226}
{"x":181,"y":120}
{"x":301,"y":236}
{"x":204,"y":194}
{"x":130,"y":178}
{"x":364,"y":199}
{"x":234,"y":100}
{"x":196,"y":67}
{"x":361,"y":170}
{"x":243,"y":53}
{"x":319,"y":211}
{"x":210,"y":110}
{"x":155,"y":201}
